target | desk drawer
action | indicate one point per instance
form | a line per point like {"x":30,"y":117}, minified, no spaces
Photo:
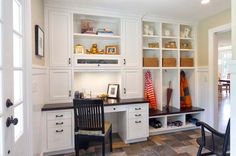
{"x":59,"y":138}
{"x":59,"y":123}
{"x":137,"y":108}
{"x":120,"y":108}
{"x":137,"y":115}
{"x":138,"y":128}
{"x":59,"y":115}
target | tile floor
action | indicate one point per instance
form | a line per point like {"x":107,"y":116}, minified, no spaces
{"x":172,"y":144}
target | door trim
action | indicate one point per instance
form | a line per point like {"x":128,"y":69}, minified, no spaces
{"x":212,"y":68}
{"x":28,"y":76}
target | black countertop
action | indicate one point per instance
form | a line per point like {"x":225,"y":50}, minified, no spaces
{"x":173,"y":110}
{"x":109,"y":102}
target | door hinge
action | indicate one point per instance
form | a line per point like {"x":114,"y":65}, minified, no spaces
{"x":69,"y":93}
{"x":124,"y":90}
{"x":69,"y":60}
{"x":124,"y":61}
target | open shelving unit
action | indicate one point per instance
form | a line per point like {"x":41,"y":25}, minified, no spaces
{"x":176,"y":41}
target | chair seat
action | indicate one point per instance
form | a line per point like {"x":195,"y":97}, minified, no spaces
{"x":107,"y":126}
{"x":218,"y":144}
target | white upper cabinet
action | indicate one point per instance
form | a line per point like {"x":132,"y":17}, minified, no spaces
{"x":131,"y":84}
{"x":132,"y":45}
{"x":59,"y":39}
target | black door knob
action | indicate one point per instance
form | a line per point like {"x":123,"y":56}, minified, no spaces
{"x":9,"y":103}
{"x":11,"y":120}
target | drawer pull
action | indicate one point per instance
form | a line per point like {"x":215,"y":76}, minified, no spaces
{"x":59,"y":131}
{"x":138,"y":115}
{"x":137,"y":121}
{"x":114,"y":108}
{"x":137,"y":108}
{"x":59,"y":123}
{"x":59,"y":116}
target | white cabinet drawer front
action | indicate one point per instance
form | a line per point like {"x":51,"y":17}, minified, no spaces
{"x":138,"y":108}
{"x":137,"y":128}
{"x":59,"y":123}
{"x":120,"y":108}
{"x":138,"y":115}
{"x":59,"y":115}
{"x":59,"y":138}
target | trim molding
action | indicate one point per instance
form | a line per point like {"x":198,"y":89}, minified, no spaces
{"x":202,"y":69}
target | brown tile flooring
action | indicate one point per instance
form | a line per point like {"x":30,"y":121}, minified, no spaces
{"x":172,"y":144}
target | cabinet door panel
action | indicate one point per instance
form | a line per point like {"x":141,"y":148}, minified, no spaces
{"x":60,"y":85}
{"x":137,"y":124}
{"x":132,"y":54}
{"x":132,"y":82}
{"x":59,"y":39}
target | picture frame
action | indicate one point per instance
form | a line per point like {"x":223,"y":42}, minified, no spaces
{"x":79,"y":49}
{"x":113,"y":91}
{"x":39,"y":41}
{"x":112,"y":50}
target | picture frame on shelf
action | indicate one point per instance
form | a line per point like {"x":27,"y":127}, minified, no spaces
{"x":112,"y":50}
{"x":79,"y":49}
{"x":39,"y":41}
{"x":113,"y":91}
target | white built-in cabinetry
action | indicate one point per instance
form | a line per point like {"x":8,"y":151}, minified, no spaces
{"x":64,"y":33}
{"x":59,"y":39}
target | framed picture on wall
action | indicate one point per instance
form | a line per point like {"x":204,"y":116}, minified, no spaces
{"x":39,"y":41}
{"x":113,"y":91}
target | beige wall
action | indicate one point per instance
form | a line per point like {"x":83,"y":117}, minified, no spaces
{"x":37,"y":19}
{"x":233,"y":2}
{"x":203,"y":27}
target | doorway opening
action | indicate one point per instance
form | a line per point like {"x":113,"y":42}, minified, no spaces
{"x":215,"y":52}
{"x":224,"y":57}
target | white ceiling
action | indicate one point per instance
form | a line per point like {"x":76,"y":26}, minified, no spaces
{"x":178,"y":9}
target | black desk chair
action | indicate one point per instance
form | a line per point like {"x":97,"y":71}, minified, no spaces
{"x":89,"y":123}
{"x":217,"y":143}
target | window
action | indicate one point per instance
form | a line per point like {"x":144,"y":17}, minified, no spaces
{"x":224,"y":57}
{"x":18,"y":68}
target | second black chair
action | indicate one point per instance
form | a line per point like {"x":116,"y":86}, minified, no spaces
{"x":90,"y":124}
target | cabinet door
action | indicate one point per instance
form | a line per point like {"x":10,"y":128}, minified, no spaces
{"x":132,"y":84}
{"x":132,"y":55}
{"x":60,"y":85}
{"x":59,"y":39}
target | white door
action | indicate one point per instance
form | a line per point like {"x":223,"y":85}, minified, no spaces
{"x":12,"y":106}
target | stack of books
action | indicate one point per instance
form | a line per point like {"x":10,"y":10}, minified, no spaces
{"x":105,"y":32}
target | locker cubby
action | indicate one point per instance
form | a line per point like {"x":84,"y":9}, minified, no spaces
{"x":173,"y":76}
{"x":190,"y":75}
{"x":156,"y":81}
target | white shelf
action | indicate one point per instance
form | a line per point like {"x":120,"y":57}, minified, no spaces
{"x":187,"y":50}
{"x":95,"y":55}
{"x":151,"y":68}
{"x":166,"y":68}
{"x":169,"y":37}
{"x":146,"y":48}
{"x":97,"y":36}
{"x":151,"y":36}
{"x":187,"y":67}
{"x":170,"y":49}
{"x":154,"y":130}
{"x":183,"y":38}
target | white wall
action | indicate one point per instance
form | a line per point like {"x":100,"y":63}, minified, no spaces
{"x":38,"y":100}
{"x":233,"y":81}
